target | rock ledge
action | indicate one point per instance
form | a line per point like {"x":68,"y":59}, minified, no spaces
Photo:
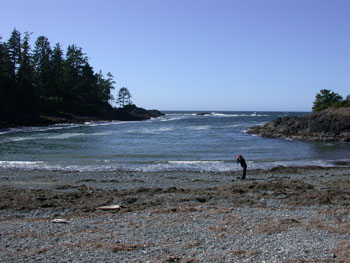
{"x":329,"y":125}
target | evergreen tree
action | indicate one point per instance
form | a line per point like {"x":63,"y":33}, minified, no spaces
{"x":325,"y":99}
{"x":87,"y":93}
{"x":43,"y":68}
{"x":124,"y":97}
{"x":45,"y":80}
{"x":57,"y":62}
{"x":75,"y":60}
{"x":347,"y":98}
{"x":6,"y":81}
{"x":26,"y":92}
{"x":14,"y":55}
{"x":14,"y":50}
{"x":105,"y":86}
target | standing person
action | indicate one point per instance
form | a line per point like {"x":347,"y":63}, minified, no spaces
{"x":241,"y":160}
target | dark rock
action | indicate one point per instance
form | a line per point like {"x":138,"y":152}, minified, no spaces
{"x":131,"y":200}
{"x":203,"y":113}
{"x":140,"y":113}
{"x":201,"y":199}
{"x":330,"y":125}
{"x":22,"y":118}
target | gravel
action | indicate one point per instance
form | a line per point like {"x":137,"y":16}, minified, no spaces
{"x":274,"y":216}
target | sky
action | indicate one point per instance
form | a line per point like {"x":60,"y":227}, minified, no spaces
{"x":205,"y":55}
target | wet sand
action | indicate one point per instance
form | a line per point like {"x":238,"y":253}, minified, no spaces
{"x":286,"y":214}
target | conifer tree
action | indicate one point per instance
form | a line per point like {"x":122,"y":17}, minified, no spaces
{"x":124,"y":97}
{"x":26,"y":93}
{"x":43,"y":68}
{"x":6,"y":81}
{"x":87,"y":94}
{"x":57,"y":62}
{"x":105,"y":86}
{"x":325,"y":99}
{"x":47,"y":81}
{"x":75,"y":59}
{"x":14,"y":50}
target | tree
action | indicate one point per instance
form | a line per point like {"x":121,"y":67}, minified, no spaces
{"x":7,"y":82}
{"x":26,"y":92}
{"x":347,"y":98}
{"x":325,"y":99}
{"x":43,"y":67}
{"x":14,"y":49}
{"x":124,"y":97}
{"x":72,"y":73}
{"x":47,"y":81}
{"x":105,"y":86}
{"x":87,"y":97}
{"x":57,"y":62}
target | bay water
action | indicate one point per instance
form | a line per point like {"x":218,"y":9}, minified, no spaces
{"x":177,"y":141}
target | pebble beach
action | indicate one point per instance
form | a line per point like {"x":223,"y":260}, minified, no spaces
{"x":285,"y":214}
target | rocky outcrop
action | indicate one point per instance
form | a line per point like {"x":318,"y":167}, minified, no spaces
{"x":203,"y":113}
{"x":141,"y":113}
{"x":17,"y":118}
{"x":330,"y":125}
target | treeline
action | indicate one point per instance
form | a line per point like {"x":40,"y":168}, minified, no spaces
{"x":44,"y":79}
{"x":327,"y":98}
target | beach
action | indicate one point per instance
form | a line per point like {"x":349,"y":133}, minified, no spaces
{"x":283,"y":214}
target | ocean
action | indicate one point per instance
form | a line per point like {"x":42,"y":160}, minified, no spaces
{"x":177,"y":141}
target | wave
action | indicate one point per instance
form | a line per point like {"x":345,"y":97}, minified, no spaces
{"x":94,"y":124}
{"x":163,"y":129}
{"x":57,"y":127}
{"x":53,"y":137}
{"x":241,"y":115}
{"x":173,"y":119}
{"x":40,"y":165}
{"x":150,"y":131}
{"x":182,"y":114}
{"x":199,"y":128}
{"x":229,"y":115}
{"x":109,"y":123}
{"x":21,"y":164}
{"x":17,"y":139}
{"x":193,"y":162}
{"x":5,"y":132}
{"x":179,"y":165}
{"x":63,"y":136}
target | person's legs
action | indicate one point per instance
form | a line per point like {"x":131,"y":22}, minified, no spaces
{"x":244,"y":173}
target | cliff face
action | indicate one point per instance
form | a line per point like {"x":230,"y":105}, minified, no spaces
{"x":330,"y":125}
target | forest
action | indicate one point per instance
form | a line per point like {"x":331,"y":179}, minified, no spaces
{"x":45,"y":85}
{"x":49,"y":80}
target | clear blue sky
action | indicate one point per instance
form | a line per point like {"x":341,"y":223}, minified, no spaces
{"x":202,"y":54}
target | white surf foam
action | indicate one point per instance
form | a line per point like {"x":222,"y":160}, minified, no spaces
{"x":21,"y":164}
{"x":199,"y":128}
{"x":150,"y":131}
{"x":173,"y":119}
{"x":194,"y":162}
{"x":63,"y":136}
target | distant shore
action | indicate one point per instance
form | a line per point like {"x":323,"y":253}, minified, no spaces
{"x":11,"y":119}
{"x":286,"y":214}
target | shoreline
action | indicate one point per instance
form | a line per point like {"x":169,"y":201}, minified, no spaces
{"x":223,"y":166}
{"x":285,"y":214}
{"x":22,"y":119}
{"x":328,"y":125}
{"x":131,"y":179}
